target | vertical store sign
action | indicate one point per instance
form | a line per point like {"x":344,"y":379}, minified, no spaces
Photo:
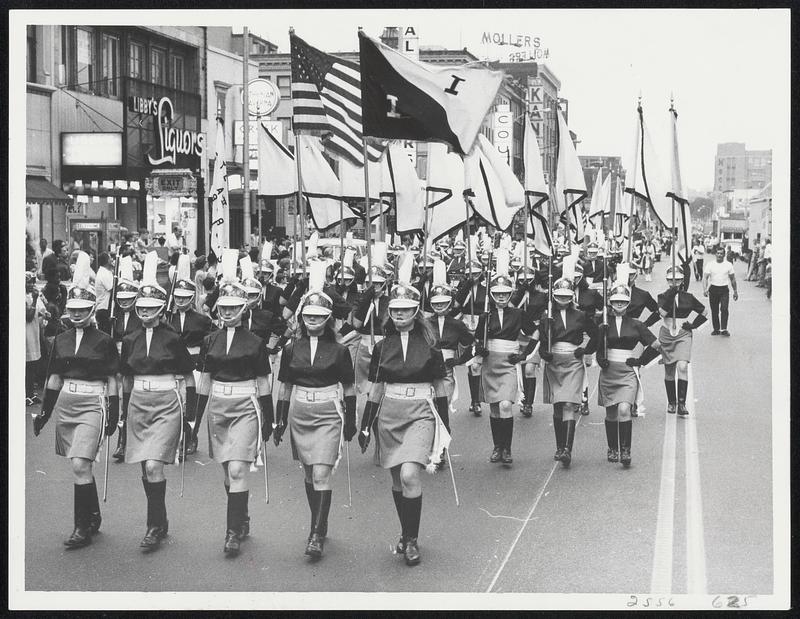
{"x":409,"y":46}
{"x":536,"y":108}
{"x":503,"y":127}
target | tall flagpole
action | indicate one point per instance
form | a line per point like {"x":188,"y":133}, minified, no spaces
{"x":301,"y":207}
{"x":368,"y":240}
{"x":469,"y":256}
{"x":526,"y":220}
{"x":245,"y":141}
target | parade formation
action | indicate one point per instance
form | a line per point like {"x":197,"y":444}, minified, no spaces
{"x":405,"y":319}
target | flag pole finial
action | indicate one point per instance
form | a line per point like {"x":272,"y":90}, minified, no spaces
{"x":291,"y":29}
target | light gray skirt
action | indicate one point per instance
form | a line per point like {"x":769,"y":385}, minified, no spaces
{"x":79,"y":424}
{"x":617,"y":383}
{"x":563,"y":379}
{"x":405,"y":432}
{"x":233,"y":428}
{"x":315,"y":430}
{"x":676,"y":347}
{"x":154,"y":425}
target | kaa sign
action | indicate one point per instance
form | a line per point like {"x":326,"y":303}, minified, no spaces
{"x":170,"y":141}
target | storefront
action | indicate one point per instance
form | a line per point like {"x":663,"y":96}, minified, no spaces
{"x":42,"y":201}
{"x":172,"y":203}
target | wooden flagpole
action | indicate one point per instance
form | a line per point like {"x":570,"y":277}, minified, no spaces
{"x":301,"y":207}
{"x":368,"y":240}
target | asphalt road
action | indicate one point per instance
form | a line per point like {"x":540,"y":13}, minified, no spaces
{"x":693,"y":514}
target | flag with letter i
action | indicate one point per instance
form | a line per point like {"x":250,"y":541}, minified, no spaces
{"x":403,"y":98}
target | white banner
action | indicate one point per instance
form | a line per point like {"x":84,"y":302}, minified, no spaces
{"x":218,"y":196}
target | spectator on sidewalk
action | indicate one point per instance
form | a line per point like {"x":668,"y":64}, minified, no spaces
{"x":766,"y":257}
{"x":34,"y":311}
{"x":699,"y":254}
{"x":715,"y":286}
{"x":103,"y":284}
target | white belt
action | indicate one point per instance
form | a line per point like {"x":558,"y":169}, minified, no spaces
{"x":193,"y":350}
{"x":155,"y":383}
{"x":448,"y":353}
{"x":409,"y":391}
{"x":618,"y":354}
{"x":503,"y":345}
{"x":596,"y":286}
{"x":562,"y":347}
{"x":365,"y":339}
{"x":74,"y":385}
{"x":316,"y":394}
{"x":233,"y":390}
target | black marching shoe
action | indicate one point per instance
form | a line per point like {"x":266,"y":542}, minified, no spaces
{"x":400,"y":548}
{"x":315,"y":546}
{"x":559,"y":454}
{"x":191,"y":444}
{"x":152,"y":538}
{"x":682,"y":410}
{"x":625,"y":456}
{"x":584,"y":408}
{"x":81,"y":536}
{"x":527,"y":410}
{"x":244,"y":529}
{"x":232,"y":545}
{"x":119,"y":452}
{"x":496,"y":454}
{"x":612,"y":455}
{"x":505,"y":456}
{"x":412,"y":551}
{"x":95,"y":520}
{"x":566,"y":457}
{"x":476,"y":409}
{"x":671,"y":408}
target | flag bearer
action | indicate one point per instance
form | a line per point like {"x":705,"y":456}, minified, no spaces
{"x":470,"y":300}
{"x":590,"y":301}
{"x":676,"y":307}
{"x":408,"y":398}
{"x":618,"y":386}
{"x":531,"y":291}
{"x":319,"y":371}
{"x":156,"y":371}
{"x":81,"y":389}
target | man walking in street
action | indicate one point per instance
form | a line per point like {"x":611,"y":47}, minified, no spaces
{"x":699,"y":254}
{"x":715,"y":287}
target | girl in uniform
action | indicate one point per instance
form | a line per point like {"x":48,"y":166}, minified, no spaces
{"x":315,"y":366}
{"x":234,"y":387}
{"x":408,"y":398}
{"x":372,"y":309}
{"x":82,"y":374}
{"x":501,"y":328}
{"x":561,"y":338}
{"x":156,"y":371}
{"x":618,"y":383}
{"x":676,"y":306}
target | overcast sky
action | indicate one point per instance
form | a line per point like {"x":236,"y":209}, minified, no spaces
{"x":725,"y":67}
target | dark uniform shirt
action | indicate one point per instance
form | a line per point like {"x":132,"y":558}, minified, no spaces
{"x":455,"y":270}
{"x":96,"y":359}
{"x":121,"y":329}
{"x":263,"y":323}
{"x":363,"y":307}
{"x":423,"y":363}
{"x":687,"y":303}
{"x":332,"y":363}
{"x":246,"y":359}
{"x":514,"y":321}
{"x":272,"y":298}
{"x":453,"y":333}
{"x":195,"y":327}
{"x":572,"y":332}
{"x":632,"y":332}
{"x":589,"y":301}
{"x":468,"y":291}
{"x":168,"y":354}
{"x":641,"y":300}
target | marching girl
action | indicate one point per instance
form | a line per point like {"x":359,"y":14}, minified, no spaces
{"x":676,"y":306}
{"x":408,"y":398}
{"x":618,"y":382}
{"x":561,"y":337}
{"x":82,"y":374}
{"x":590,"y":301}
{"x":234,"y":387}
{"x":314,"y":366}
{"x":370,"y":316}
{"x":156,"y":371}
{"x":471,"y":297}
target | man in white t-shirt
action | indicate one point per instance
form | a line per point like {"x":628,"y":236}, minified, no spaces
{"x":699,"y":254}
{"x":103,"y":284}
{"x":716,"y":277}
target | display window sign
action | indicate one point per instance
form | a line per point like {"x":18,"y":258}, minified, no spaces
{"x":91,"y":149}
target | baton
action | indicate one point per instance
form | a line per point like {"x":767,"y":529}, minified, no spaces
{"x":452,"y":477}
{"x":349,"y":490}
{"x":266,"y":473}
{"x":105,"y":472}
{"x":183,"y":459}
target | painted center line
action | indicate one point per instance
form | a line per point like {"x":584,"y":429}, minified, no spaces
{"x":661,"y":580}
{"x":695,"y":540}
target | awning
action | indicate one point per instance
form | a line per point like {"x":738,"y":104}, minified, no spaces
{"x":39,"y":189}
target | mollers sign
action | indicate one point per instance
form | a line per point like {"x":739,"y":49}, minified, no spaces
{"x":170,"y":141}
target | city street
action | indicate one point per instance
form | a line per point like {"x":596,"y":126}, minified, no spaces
{"x":693,"y":514}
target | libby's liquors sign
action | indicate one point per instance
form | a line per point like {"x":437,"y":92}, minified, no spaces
{"x":170,"y":141}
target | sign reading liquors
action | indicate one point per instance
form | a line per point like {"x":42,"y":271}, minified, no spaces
{"x":170,"y":141}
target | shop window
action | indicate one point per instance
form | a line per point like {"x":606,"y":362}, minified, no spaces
{"x":157,"y":66}
{"x":221,"y":92}
{"x":177,"y":73}
{"x":136,"y":61}
{"x":110,"y":47}
{"x":84,"y":68}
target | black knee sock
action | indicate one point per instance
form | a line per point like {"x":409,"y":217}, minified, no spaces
{"x":508,"y":431}
{"x":559,"y":429}
{"x":82,"y":504}
{"x":412,"y":509}
{"x":625,"y":431}
{"x":152,"y":514}
{"x":321,"y":513}
{"x":569,"y":433}
{"x":397,"y":495}
{"x":670,"y":387}
{"x":91,"y":493}
{"x":611,"y":434}
{"x":531,"y":384}
{"x":683,"y":385}
{"x":237,"y":508}
{"x":312,"y":500}
{"x":473,"y":386}
{"x":158,"y":496}
{"x":494,"y":424}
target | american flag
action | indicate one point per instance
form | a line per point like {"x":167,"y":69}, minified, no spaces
{"x":326,"y":97}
